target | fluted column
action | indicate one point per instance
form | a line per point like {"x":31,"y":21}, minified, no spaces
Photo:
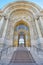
{"x":38,"y":29}
{"x":4,"y":32}
{"x":40,"y":39}
{"x":41,"y":21}
{"x":8,"y":35}
{"x":2,"y":25}
{"x":1,"y":22}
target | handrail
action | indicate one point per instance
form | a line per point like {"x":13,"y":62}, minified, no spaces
{"x":4,"y":49}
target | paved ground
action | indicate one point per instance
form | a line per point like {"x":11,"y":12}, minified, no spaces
{"x":22,"y":57}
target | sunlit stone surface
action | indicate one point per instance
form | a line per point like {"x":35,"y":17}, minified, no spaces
{"x":19,"y":21}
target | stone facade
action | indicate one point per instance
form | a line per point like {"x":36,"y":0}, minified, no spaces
{"x":30,"y":13}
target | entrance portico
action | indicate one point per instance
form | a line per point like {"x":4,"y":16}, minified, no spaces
{"x":22,"y":34}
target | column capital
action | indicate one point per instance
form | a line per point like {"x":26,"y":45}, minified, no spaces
{"x":4,"y":16}
{"x":37,"y":16}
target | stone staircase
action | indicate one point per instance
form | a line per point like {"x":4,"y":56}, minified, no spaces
{"x":22,"y":57}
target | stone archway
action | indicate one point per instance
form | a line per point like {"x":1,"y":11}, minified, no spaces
{"x":21,"y":31}
{"x":20,"y":11}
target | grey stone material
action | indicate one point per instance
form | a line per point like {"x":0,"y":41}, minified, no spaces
{"x":32,"y":16}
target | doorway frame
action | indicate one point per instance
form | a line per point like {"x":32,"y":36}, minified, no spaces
{"x":24,"y":40}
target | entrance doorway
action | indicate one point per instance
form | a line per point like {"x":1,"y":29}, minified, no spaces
{"x":22,"y":34}
{"x":21,"y":39}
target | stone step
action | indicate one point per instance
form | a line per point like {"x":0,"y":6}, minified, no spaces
{"x":22,"y":57}
{"x":23,"y":64}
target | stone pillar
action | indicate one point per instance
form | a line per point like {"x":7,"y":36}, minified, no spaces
{"x":1,"y":22}
{"x":26,"y":41}
{"x":32,"y":35}
{"x":38,"y":30}
{"x":9,"y":33}
{"x":41,"y":21}
{"x":4,"y":32}
{"x":41,"y":27}
{"x":28,"y":44}
{"x":39,"y":40}
{"x":2,"y":25}
{"x":15,"y":43}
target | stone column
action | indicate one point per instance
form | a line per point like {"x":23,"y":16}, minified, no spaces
{"x":4,"y":32}
{"x":41,"y":27}
{"x":38,"y":30}
{"x":9,"y":33}
{"x":2,"y":26}
{"x":41,"y":21}
{"x":41,"y":39}
{"x":39,"y":33}
{"x":15,"y":43}
{"x":1,"y":22}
